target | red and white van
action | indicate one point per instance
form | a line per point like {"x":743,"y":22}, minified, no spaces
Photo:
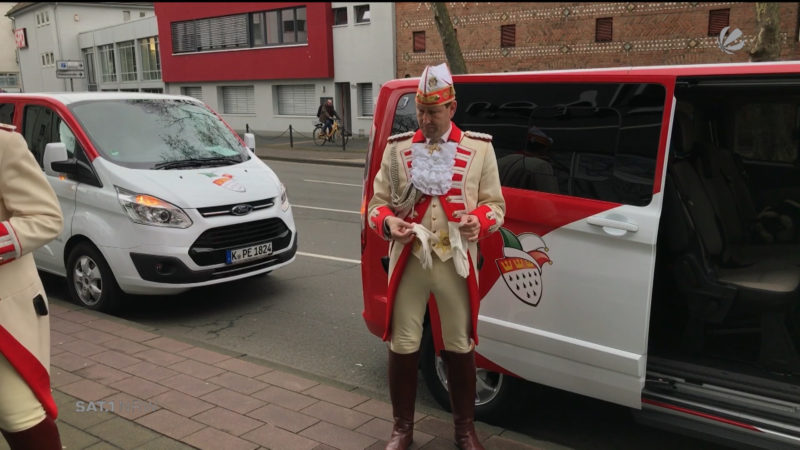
{"x":655,"y":212}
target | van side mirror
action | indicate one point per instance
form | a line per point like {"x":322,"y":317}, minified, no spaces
{"x":54,"y":153}
{"x":250,"y":141}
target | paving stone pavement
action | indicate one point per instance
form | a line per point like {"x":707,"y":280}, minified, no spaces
{"x":119,"y":385}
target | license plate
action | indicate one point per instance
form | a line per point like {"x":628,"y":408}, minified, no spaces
{"x":243,"y":254}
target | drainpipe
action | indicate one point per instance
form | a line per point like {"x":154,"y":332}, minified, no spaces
{"x":19,"y":60}
{"x":58,"y":38}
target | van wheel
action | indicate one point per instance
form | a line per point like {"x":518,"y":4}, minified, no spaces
{"x":494,"y":392}
{"x":90,"y":280}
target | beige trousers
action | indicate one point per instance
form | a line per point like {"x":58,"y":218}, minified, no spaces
{"x":19,"y":408}
{"x":452,"y":299}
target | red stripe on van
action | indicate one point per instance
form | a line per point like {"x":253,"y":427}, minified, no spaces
{"x":700,"y":414}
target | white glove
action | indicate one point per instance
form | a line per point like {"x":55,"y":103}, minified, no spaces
{"x":459,"y":250}
{"x":425,"y":238}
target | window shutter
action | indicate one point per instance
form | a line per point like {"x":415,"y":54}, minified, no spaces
{"x":193,"y":91}
{"x":508,"y":36}
{"x":365,"y":100}
{"x":238,"y":100}
{"x":297,"y":100}
{"x":717,"y":20}
{"x":419,"y":41}
{"x":604,"y":29}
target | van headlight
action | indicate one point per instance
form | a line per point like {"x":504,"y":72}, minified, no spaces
{"x":284,"y":198}
{"x":149,"y":210}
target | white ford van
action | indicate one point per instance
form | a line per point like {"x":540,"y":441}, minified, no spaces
{"x":159,"y":194}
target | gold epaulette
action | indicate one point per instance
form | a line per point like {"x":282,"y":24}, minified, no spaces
{"x":401,"y":136}
{"x":7,"y":127}
{"x":479,"y":136}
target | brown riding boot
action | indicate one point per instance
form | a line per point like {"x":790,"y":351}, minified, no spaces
{"x":42,"y":436}
{"x":403,"y":390}
{"x":461,"y":384}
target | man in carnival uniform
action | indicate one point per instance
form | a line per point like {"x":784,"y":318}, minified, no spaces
{"x":30,"y":217}
{"x":437,"y":191}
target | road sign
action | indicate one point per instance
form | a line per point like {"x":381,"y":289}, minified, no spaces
{"x":70,"y":74}
{"x":69,"y":65}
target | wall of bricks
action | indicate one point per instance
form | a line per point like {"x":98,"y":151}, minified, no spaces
{"x":562,"y":35}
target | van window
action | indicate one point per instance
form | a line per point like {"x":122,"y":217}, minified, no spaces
{"x":597,"y":141}
{"x":768,"y":131}
{"x":405,"y":116}
{"x":41,"y":126}
{"x":154,"y":133}
{"x":7,"y":113}
{"x":38,"y":129}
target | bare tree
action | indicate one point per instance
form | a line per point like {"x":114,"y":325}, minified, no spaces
{"x":452,"y":51}
{"x":767,"y":46}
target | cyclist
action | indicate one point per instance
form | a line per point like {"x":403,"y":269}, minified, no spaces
{"x":325,"y":114}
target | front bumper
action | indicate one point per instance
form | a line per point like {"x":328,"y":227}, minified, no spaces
{"x":171,"y":270}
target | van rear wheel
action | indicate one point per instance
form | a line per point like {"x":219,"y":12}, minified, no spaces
{"x":90,"y":281}
{"x":494,"y":392}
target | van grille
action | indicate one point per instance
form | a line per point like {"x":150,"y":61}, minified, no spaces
{"x":211,"y":246}
{"x":222,"y":210}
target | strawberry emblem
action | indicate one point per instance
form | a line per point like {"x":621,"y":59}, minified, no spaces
{"x":521,"y":268}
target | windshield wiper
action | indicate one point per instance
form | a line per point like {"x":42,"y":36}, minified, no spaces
{"x":197,"y":162}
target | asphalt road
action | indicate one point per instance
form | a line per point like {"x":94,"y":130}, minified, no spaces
{"x":307,"y":316}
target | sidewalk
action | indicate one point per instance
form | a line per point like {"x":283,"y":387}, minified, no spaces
{"x":301,"y":149}
{"x":118,"y":385}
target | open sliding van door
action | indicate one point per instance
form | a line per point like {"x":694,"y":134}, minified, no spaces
{"x":566,"y":284}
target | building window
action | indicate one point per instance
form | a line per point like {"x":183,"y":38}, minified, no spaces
{"x":419,"y":41}
{"x":48,"y":59}
{"x":43,"y":18}
{"x":238,"y":100}
{"x":340,"y":16}
{"x":142,"y":13}
{"x":282,"y":26}
{"x":296,"y":100}
{"x":8,"y":79}
{"x":603,"y":30}
{"x":88,"y":61}
{"x":153,"y":90}
{"x":717,"y":20}
{"x":126,"y":16}
{"x":127,"y":61}
{"x":215,"y":33}
{"x":361,"y":13}
{"x":193,"y":91}
{"x":108,"y":70}
{"x":151,"y":63}
{"x":365,"y":103}
{"x":508,"y":35}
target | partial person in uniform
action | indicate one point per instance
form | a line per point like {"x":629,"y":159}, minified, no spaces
{"x":30,"y":216}
{"x":437,"y":193}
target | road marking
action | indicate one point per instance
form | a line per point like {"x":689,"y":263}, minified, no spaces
{"x":326,"y":209}
{"x":333,"y":182}
{"x":333,"y":258}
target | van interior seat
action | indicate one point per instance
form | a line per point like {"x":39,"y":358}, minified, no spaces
{"x":693,"y":238}
{"x":733,"y":205}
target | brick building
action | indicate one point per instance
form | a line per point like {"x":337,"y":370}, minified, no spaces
{"x":506,"y":36}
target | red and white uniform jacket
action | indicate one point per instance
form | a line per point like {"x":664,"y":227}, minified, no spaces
{"x":474,"y":188}
{"x":30,"y":216}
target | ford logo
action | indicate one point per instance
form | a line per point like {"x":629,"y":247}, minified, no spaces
{"x":241,"y":210}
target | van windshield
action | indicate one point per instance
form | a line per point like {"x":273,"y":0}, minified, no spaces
{"x":158,"y":133}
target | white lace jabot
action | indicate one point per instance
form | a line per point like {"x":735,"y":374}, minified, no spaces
{"x":432,"y":172}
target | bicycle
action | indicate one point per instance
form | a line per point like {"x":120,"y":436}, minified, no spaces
{"x":336,"y":135}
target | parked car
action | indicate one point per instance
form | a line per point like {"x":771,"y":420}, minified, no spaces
{"x":650,"y":255}
{"x":159,"y":194}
